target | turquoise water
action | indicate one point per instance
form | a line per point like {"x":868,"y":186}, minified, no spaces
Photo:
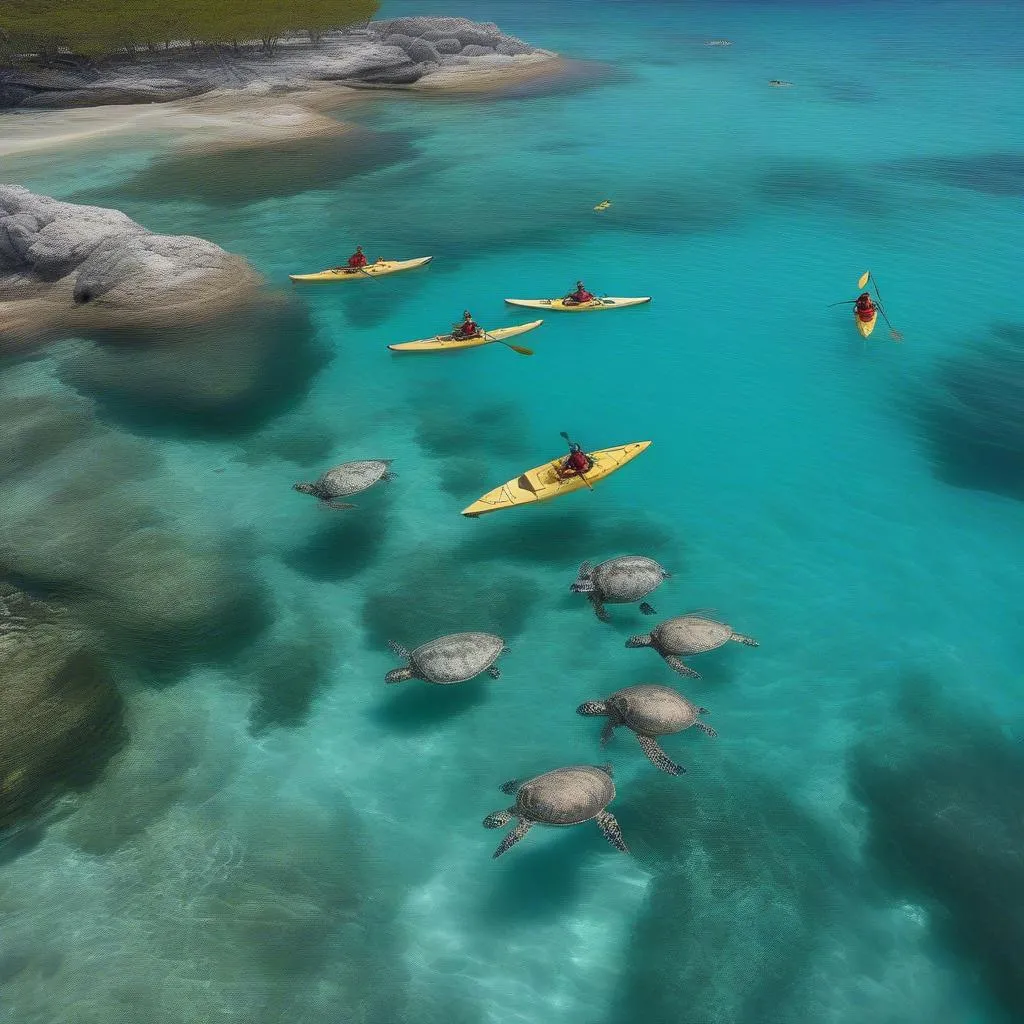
{"x":283,"y":838}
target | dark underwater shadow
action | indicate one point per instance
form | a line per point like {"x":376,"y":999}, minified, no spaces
{"x":227,"y":377}
{"x":972,"y":416}
{"x":543,"y":882}
{"x":943,"y":804}
{"x":234,"y":177}
{"x":436,"y":596}
{"x":992,"y":174}
{"x":570,"y":538}
{"x":340,"y":549}
{"x":418,"y":706}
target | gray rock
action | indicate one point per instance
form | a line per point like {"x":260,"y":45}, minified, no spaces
{"x":448,"y":46}
{"x":510,"y":46}
{"x":476,"y":37}
{"x":54,"y":252}
{"x":42,"y":78}
{"x":13,"y":95}
{"x":423,"y":27}
{"x":423,"y":52}
{"x":399,"y":76}
{"x":102,"y":95}
{"x":141,"y":268}
{"x":477,"y":51}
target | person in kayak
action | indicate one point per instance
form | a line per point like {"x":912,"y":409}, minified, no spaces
{"x":356,"y":262}
{"x":864,"y":307}
{"x":577,"y":463}
{"x":469,"y":328}
{"x":578,"y":297}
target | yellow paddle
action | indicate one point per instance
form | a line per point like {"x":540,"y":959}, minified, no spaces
{"x":582,"y":475}
{"x":896,"y":336}
{"x":521,"y":349}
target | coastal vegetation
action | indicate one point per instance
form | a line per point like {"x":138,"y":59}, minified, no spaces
{"x":48,"y":30}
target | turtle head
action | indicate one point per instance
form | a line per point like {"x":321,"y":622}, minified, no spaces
{"x":593,"y":708}
{"x":584,"y":583}
{"x":639,"y":641}
{"x":399,"y":675}
{"x":305,"y":488}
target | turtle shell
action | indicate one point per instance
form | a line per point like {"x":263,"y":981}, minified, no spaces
{"x":653,"y":710}
{"x":690,"y":634}
{"x":353,"y":477}
{"x":627,"y":579}
{"x":565,"y":796}
{"x":457,"y":657}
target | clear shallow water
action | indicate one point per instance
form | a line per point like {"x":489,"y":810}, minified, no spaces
{"x":284,"y":838}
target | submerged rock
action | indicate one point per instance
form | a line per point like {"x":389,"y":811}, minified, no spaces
{"x":65,"y":266}
{"x":973,"y":414}
{"x":943,"y":802}
{"x":60,"y":711}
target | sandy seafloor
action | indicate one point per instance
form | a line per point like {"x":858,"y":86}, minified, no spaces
{"x":285,"y":839}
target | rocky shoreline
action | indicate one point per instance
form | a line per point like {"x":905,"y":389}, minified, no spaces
{"x":70,"y":267}
{"x":424,"y":52}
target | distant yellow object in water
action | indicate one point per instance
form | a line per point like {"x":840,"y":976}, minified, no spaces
{"x":603,"y":205}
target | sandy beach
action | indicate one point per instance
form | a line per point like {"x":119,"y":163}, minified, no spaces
{"x":255,"y":116}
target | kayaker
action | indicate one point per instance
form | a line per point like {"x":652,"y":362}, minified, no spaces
{"x":864,"y":307}
{"x":357,"y":260}
{"x":578,"y":461}
{"x":578,"y":297}
{"x":469,"y":328}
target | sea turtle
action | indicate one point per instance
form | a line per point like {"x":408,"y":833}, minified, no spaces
{"x":565,"y":796}
{"x":649,"y":711}
{"x":688,"y":634}
{"x":348,"y":478}
{"x":622,"y":580}
{"x":450,"y":659}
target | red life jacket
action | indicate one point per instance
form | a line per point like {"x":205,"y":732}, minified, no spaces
{"x":468,"y":327}
{"x":581,"y":296}
{"x":866,"y":313}
{"x":357,"y":260}
{"x":579,"y":462}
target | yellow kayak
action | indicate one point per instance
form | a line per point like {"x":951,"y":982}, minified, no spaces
{"x":559,"y":304}
{"x":865,"y":326}
{"x":446,"y":343}
{"x":544,"y":483}
{"x":378,"y":269}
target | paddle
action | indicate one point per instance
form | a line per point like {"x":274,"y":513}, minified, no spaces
{"x":521,"y":349}
{"x":896,"y":336}
{"x":580,"y":475}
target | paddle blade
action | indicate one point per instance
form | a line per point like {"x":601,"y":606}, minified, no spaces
{"x":562,"y":433}
{"x":864,"y":279}
{"x":522,"y":350}
{"x":896,"y":335}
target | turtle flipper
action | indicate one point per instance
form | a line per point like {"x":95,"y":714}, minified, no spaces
{"x":494,"y":672}
{"x":584,"y":580}
{"x":706,"y":729}
{"x":677,"y":665}
{"x":647,"y":609}
{"x":741,"y":639}
{"x":608,"y":731}
{"x":511,"y":838}
{"x":398,"y":649}
{"x":599,"y":609}
{"x":499,"y":819}
{"x":337,"y":505}
{"x":511,"y":786}
{"x":658,"y":757}
{"x":610,"y":830}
